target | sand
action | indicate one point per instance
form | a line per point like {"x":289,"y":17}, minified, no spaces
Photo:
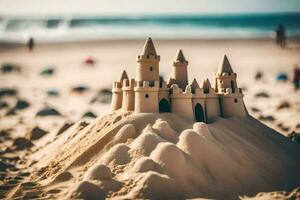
{"x":147,"y":155}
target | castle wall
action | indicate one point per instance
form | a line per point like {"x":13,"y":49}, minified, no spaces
{"x":181,"y":102}
{"x":146,"y":97}
{"x":232,"y":104}
{"x":147,"y":68}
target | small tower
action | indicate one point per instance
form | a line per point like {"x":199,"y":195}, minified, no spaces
{"x":212,"y":105}
{"x":225,"y":77}
{"x":148,"y":63}
{"x":179,"y":70}
{"x":198,"y":102}
{"x":146,"y":97}
{"x":231,"y":97}
{"x":117,"y":93}
{"x":128,"y":95}
{"x":181,"y":102}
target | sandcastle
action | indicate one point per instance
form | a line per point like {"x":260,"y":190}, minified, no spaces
{"x":148,"y":93}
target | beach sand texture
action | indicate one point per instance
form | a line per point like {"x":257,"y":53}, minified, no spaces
{"x":125,"y":155}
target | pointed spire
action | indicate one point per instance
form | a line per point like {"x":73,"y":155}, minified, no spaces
{"x":149,"y":48}
{"x":225,"y":66}
{"x":123,"y":76}
{"x":180,"y":57}
{"x":206,"y":85}
{"x":195,"y":84}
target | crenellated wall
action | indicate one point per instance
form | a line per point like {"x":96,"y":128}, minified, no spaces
{"x":146,"y":97}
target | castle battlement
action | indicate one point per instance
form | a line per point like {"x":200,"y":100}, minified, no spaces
{"x":128,"y":85}
{"x":178,"y":93}
{"x":148,"y":94}
{"x":147,"y":86}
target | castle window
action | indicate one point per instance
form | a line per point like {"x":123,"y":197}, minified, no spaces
{"x":235,"y":100}
{"x":146,"y":95}
{"x":221,"y":81}
{"x":151,"y":68}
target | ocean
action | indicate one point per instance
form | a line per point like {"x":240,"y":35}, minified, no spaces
{"x":62,"y":29}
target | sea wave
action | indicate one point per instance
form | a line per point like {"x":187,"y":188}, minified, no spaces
{"x":56,"y":29}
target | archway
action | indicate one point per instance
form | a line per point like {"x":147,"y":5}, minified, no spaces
{"x":164,"y":106}
{"x":199,"y":114}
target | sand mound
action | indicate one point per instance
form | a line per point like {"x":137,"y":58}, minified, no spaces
{"x":160,"y":156}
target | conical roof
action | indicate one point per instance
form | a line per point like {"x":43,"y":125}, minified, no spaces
{"x":180,"y":57}
{"x":206,"y":84}
{"x":195,"y":84}
{"x":149,"y":48}
{"x":123,"y":76}
{"x":225,"y":66}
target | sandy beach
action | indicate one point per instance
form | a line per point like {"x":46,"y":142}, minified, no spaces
{"x":58,"y":78}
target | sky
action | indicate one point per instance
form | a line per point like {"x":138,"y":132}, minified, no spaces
{"x":138,"y":7}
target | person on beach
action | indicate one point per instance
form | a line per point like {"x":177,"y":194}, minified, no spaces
{"x":296,"y":77}
{"x":30,"y":44}
{"x":280,"y":36}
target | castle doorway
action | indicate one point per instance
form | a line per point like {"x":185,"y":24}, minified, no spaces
{"x":164,"y":106}
{"x":199,"y":113}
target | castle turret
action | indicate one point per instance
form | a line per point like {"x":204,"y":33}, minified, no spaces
{"x":146,"y":97}
{"x":179,"y":70}
{"x":128,"y":95}
{"x":148,"y":63}
{"x":225,"y":77}
{"x":117,"y":93}
{"x":182,"y":102}
{"x":212,"y":105}
{"x":231,"y":97}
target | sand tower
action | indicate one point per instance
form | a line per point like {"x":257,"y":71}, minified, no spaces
{"x":117,"y":93}
{"x":179,"y":70}
{"x":231,"y":97}
{"x":146,"y":97}
{"x":128,"y":95}
{"x":148,"y":63}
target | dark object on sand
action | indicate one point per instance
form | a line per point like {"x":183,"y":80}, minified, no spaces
{"x":283,"y":105}
{"x":10,"y":112}
{"x":4,"y":166}
{"x":89,"y":61}
{"x":268,"y":118}
{"x":21,"y":104}
{"x":282,"y":77}
{"x":255,"y":110}
{"x":30,"y":44}
{"x":294,"y":137}
{"x":36,"y":133}
{"x":258,"y":75}
{"x":103,"y":96}
{"x":22,"y":143}
{"x":280,"y":36}
{"x":296,"y":77}
{"x":53,"y":93}
{"x":47,"y":112}
{"x":262,"y":94}
{"x":89,"y":114}
{"x":80,"y":89}
{"x":10,"y":67}
{"x":7,"y":92}
{"x":64,"y":128}
{"x":3,"y":104}
{"x":47,"y":71}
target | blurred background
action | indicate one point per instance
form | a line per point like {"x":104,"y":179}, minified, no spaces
{"x":59,"y":58}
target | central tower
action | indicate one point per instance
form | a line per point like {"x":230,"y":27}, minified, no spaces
{"x":148,"y":63}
